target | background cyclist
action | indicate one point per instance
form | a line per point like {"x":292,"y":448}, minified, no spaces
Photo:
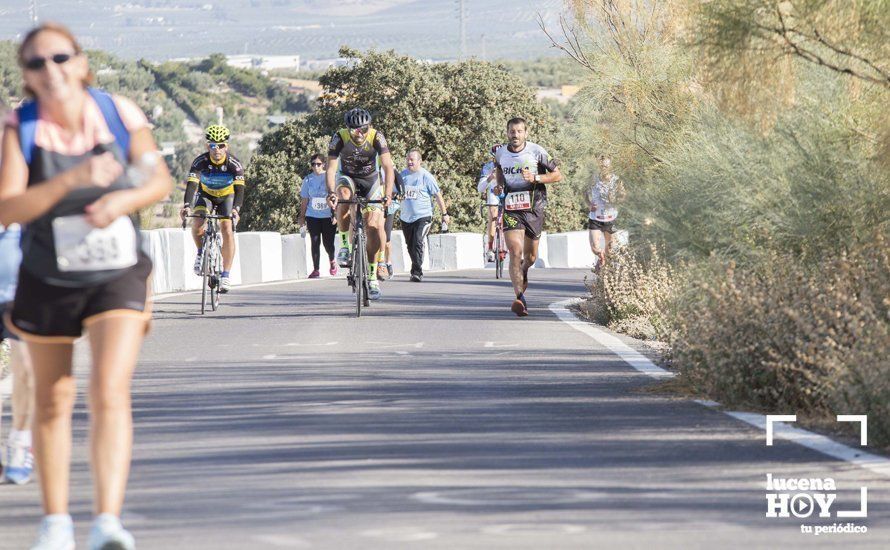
{"x":218,"y":178}
{"x":356,"y":151}
{"x":486,"y":184}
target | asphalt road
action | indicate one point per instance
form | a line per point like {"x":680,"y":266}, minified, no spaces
{"x":438,"y":420}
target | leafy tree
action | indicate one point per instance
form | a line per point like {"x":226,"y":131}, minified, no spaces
{"x":452,"y":112}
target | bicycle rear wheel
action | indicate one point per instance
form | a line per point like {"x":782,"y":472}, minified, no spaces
{"x":499,"y":255}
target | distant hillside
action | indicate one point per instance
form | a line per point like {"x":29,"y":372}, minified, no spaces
{"x":313,"y":29}
{"x":172,"y":93}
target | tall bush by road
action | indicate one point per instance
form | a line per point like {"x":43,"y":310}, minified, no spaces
{"x":754,"y":141}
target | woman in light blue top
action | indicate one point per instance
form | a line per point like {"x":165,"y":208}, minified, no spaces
{"x":316,"y":214}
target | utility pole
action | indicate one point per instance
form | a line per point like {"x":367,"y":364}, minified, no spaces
{"x":462,"y":16}
{"x":32,"y":12}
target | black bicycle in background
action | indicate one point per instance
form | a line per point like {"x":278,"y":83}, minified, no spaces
{"x":211,"y":264}
{"x":358,"y":277}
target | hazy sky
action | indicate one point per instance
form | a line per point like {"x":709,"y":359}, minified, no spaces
{"x":159,"y":29}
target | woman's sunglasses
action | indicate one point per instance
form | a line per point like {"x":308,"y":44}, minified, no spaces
{"x":216,"y":145}
{"x":37,"y":63}
{"x":317,"y":164}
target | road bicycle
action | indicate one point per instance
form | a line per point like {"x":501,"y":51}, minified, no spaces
{"x":500,"y":244}
{"x":358,"y":277}
{"x":211,"y":263}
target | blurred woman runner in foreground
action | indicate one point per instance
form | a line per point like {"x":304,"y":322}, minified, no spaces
{"x":63,"y":175}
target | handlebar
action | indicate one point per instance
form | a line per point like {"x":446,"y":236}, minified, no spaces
{"x":208,"y":217}
{"x":360,"y":201}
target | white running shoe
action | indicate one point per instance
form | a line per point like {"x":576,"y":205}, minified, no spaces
{"x":374,"y":291}
{"x":199,"y":259}
{"x":19,"y":464}
{"x":225,"y":284}
{"x":108,"y":534}
{"x":56,"y":533}
{"x":489,"y":256}
{"x":343,"y":257}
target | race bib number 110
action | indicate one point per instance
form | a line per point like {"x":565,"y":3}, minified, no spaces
{"x":520,"y":200}
{"x":83,"y":247}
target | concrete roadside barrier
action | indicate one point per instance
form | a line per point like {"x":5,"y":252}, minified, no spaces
{"x":569,"y":250}
{"x":261,"y":256}
{"x":265,"y":256}
{"x":294,"y":252}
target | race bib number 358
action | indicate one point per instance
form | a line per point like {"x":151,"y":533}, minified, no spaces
{"x":319,"y":203}
{"x":520,"y":200}
{"x":83,"y":247}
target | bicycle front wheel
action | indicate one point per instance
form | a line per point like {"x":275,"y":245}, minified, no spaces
{"x":216,"y":280}
{"x":359,"y":276}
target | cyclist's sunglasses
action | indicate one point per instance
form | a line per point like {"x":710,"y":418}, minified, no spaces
{"x":361,"y":129}
{"x":216,"y":145}
{"x":37,"y":63}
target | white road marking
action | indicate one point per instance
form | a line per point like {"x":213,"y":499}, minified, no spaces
{"x":534,"y":529}
{"x":810,"y":440}
{"x":630,"y":356}
{"x":268,"y":357}
{"x":400,"y":534}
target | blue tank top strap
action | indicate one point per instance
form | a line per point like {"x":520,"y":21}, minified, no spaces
{"x":27,"y":128}
{"x":28,"y":116}
{"x":112,"y":118}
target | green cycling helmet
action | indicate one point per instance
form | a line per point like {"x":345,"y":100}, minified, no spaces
{"x":216,"y":133}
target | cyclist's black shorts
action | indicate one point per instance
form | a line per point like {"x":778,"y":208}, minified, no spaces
{"x":532,"y":221}
{"x":365,"y":186}
{"x":204,"y":203}
{"x":608,"y":227}
{"x":48,"y":313}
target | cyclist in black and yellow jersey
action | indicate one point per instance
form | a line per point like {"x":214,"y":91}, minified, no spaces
{"x":356,"y":150}
{"x":218,"y":178}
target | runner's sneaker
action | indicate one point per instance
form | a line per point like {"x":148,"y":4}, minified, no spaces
{"x":389,"y":271}
{"x":416,"y":278}
{"x":374,"y":290}
{"x":519,"y":307}
{"x":224,"y":284}
{"x":314,"y":275}
{"x":199,"y":259}
{"x":489,"y":256}
{"x":343,"y":257}
{"x":108,"y":534}
{"x":56,"y":533}
{"x":381,"y":272}
{"x":19,"y":464}
{"x":333,"y":270}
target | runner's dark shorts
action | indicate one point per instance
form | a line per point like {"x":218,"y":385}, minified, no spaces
{"x":206,"y":203}
{"x":607,"y":227}
{"x":532,"y":221}
{"x":46,"y":313}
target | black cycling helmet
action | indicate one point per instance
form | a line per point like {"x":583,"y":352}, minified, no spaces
{"x":357,"y":118}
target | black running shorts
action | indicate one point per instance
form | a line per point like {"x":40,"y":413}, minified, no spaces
{"x":47,"y":313}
